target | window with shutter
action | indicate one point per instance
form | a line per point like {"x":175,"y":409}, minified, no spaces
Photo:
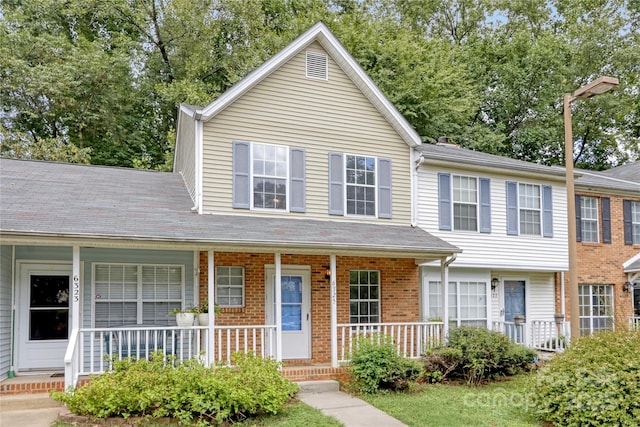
{"x":589,"y":219}
{"x":529,"y":209}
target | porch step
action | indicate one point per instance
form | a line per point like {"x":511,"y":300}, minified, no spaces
{"x":18,"y":402}
{"x":326,"y":386}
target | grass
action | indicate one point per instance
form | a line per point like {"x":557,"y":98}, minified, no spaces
{"x":501,"y":404}
{"x":295,"y":414}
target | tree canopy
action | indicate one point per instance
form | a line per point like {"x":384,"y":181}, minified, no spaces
{"x":99,"y":82}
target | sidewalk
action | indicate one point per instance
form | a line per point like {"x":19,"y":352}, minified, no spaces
{"x":350,"y":411}
{"x":28,"y":410}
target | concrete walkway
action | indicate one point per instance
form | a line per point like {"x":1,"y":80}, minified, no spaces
{"x":28,"y":410}
{"x":350,"y":411}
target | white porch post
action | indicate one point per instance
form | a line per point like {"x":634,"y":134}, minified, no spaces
{"x":75,"y":292}
{"x":212,"y":308}
{"x":278,"y":301}
{"x":334,"y":312}
{"x":444,"y":285}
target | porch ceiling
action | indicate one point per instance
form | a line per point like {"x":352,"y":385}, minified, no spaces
{"x":56,"y":203}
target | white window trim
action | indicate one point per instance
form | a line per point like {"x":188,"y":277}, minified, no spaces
{"x":139,"y":300}
{"x":252,"y":175}
{"x":379,"y":299}
{"x":244,"y":286}
{"x":346,"y":184}
{"x":591,"y":317}
{"x":539,"y":210}
{"x":596,"y":220}
{"x":634,"y":224}
{"x":453,"y":203}
{"x":458,"y":319}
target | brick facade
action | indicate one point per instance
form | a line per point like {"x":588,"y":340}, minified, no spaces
{"x":399,"y":291}
{"x":601,"y":263}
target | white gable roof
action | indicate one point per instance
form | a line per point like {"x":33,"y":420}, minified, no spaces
{"x":320,"y":33}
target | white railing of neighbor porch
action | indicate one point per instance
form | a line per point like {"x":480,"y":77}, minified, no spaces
{"x":634,"y":323}
{"x":548,"y":336}
{"x":516,"y":333}
{"x":411,"y":339}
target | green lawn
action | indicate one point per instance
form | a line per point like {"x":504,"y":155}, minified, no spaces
{"x":498,"y":404}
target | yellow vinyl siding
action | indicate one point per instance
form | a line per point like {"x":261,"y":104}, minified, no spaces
{"x":320,"y":116}
{"x":186,"y":153}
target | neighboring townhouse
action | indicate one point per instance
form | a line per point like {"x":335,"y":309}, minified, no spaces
{"x":509,"y":217}
{"x":291,"y":209}
{"x":608,"y":235}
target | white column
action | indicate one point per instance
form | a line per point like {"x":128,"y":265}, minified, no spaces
{"x":277,"y":295}
{"x":75,"y":289}
{"x":444,"y":285}
{"x":333,"y":293}
{"x":211,"y":355}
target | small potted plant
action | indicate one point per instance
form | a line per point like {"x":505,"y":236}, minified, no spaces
{"x":185,"y":316}
{"x":203,"y":314}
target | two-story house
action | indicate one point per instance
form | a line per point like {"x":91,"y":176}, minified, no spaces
{"x":291,"y":209}
{"x":608,"y":247}
{"x":510,"y":219}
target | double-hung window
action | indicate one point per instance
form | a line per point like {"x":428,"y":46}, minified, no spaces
{"x":631,"y":219}
{"x":128,"y":294}
{"x":268,"y":176}
{"x":596,"y":308}
{"x":230,"y":286}
{"x":359,"y":185}
{"x":467,"y":302}
{"x":529,"y":209}
{"x":364,"y":296}
{"x":465,"y":203}
{"x":589,"y":219}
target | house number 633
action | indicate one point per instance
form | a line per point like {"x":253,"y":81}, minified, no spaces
{"x":76,"y":288}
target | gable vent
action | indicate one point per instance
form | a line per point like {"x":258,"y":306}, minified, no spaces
{"x":317,"y":66}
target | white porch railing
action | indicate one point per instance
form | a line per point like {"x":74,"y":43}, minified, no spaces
{"x":91,"y":350}
{"x":634,"y":323}
{"x":548,"y":335}
{"x":516,"y":333}
{"x":411,"y":339}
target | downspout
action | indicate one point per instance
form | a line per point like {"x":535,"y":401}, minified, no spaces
{"x":414,"y":189}
{"x":444,"y":282}
{"x":12,"y":372}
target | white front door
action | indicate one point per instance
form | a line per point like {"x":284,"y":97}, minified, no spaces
{"x":43,"y":316}
{"x":296,"y":310}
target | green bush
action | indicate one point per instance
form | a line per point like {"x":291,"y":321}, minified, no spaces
{"x":476,"y":355}
{"x":595,"y":382}
{"x":187,"y":391}
{"x":376,"y":365}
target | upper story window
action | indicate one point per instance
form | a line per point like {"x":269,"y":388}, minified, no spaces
{"x":359,"y":185}
{"x":631,"y":219}
{"x":529,"y":209}
{"x":589,"y":219}
{"x":464,"y":203}
{"x":268,"y":176}
{"x":270,"y":173}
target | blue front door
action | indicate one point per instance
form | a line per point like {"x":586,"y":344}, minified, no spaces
{"x":514,"y":299}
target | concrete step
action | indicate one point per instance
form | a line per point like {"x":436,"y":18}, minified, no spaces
{"x":18,"y":402}
{"x":325,"y":386}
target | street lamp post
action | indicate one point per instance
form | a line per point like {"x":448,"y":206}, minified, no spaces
{"x":597,"y":87}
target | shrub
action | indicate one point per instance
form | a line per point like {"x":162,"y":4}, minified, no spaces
{"x":187,"y":391}
{"x":376,"y":365}
{"x":476,"y":354}
{"x":595,"y":382}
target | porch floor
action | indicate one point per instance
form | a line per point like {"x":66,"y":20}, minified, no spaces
{"x":42,"y":383}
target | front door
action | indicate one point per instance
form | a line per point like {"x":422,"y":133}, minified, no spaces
{"x":296,"y":311}
{"x":43,"y":316}
{"x":514,"y":304}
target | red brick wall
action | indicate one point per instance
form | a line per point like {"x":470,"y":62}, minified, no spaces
{"x":399,"y":296}
{"x":601,"y":263}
